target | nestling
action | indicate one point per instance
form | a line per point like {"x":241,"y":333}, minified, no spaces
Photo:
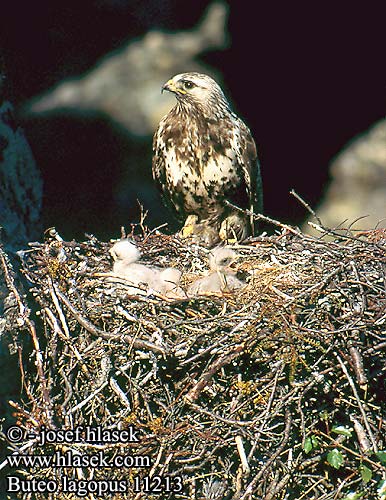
{"x":221,"y":278}
{"x":126,"y":256}
{"x":203,"y":156}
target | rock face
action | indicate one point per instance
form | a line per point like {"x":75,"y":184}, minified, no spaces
{"x":358,"y":185}
{"x":20,"y":184}
{"x":20,"y":201}
{"x":20,"y":213}
{"x":126,"y":84}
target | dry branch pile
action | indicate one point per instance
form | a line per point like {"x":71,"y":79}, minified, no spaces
{"x":274,"y":392}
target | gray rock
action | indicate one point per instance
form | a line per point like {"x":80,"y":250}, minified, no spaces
{"x":358,"y":185}
{"x":20,"y":184}
{"x":126,"y":84}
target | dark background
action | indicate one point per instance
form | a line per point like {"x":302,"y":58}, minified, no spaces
{"x":306,"y":79}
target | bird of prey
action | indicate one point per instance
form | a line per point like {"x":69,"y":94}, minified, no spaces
{"x":203,"y":156}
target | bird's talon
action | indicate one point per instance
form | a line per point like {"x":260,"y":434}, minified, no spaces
{"x":187,"y":231}
{"x":190,"y":226}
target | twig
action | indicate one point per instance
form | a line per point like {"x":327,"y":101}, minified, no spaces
{"x":56,"y":328}
{"x":136,"y":343}
{"x":24,"y":319}
{"x":356,"y":395}
{"x":357,"y":364}
{"x":264,"y":218}
{"x":206,"y":377}
{"x":307,"y":206}
{"x":249,"y":490}
{"x":272,"y":494}
{"x":242,"y":455}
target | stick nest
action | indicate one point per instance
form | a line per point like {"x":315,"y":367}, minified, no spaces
{"x":275,"y":391}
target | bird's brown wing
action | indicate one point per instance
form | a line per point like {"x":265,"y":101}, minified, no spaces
{"x":158,"y":162}
{"x":251,"y":183}
{"x":252,"y":167}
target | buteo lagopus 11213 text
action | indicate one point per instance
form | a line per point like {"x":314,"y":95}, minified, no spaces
{"x":203,"y":155}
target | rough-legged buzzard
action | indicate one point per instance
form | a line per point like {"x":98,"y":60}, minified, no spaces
{"x":203,"y":155}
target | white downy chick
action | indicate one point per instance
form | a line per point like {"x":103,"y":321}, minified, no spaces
{"x":124,"y":253}
{"x":169,"y":280}
{"x":221,"y":278}
{"x":126,"y":256}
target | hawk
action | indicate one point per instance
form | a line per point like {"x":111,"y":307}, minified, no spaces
{"x":203,"y":156}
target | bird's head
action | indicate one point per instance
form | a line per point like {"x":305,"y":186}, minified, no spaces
{"x":196,"y":89}
{"x":125,"y":252}
{"x":221,"y":258}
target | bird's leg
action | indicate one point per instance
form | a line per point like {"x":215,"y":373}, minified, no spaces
{"x":234,"y":228}
{"x":189,"y":226}
{"x":206,"y":235}
{"x":203,"y":233}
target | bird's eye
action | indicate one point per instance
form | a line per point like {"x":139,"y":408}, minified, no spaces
{"x":188,"y":84}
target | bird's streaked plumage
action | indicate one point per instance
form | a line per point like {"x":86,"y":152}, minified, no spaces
{"x":204,"y":155}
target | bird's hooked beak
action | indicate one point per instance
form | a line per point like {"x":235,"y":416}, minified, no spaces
{"x":170,"y":86}
{"x":167,"y":86}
